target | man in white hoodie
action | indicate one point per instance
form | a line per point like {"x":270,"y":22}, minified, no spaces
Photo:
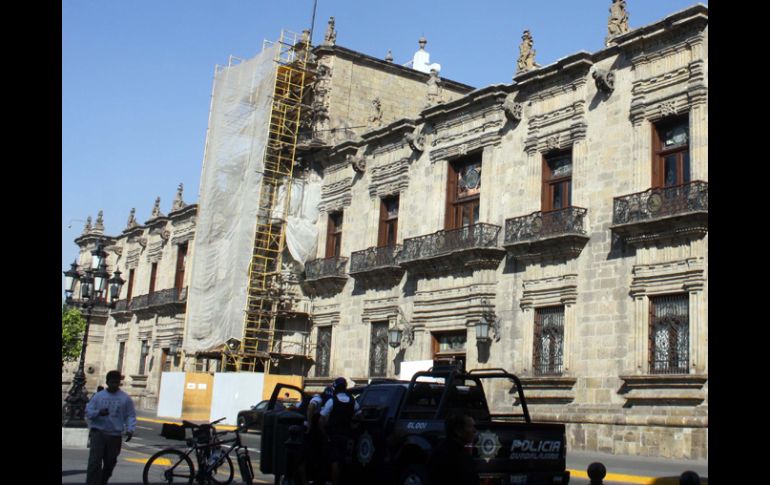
{"x":110,"y":412}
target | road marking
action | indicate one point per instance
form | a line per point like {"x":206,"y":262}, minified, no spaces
{"x":144,"y":427}
{"x":618,"y":477}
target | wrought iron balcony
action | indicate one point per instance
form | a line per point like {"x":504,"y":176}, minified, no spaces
{"x":328,"y":274}
{"x":559,"y":233}
{"x":663,"y":212}
{"x":171,"y":299}
{"x":472,"y":247}
{"x":377,"y":264}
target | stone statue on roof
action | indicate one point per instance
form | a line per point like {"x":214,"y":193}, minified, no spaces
{"x":526,"y":60}
{"x":156,"y":209}
{"x":330,"y":38}
{"x":618,"y":21}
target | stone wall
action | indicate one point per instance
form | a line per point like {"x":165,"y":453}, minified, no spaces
{"x":606,"y":393}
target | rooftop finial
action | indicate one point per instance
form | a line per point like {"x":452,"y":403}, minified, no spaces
{"x":526,"y":60}
{"x":132,"y":219}
{"x":330,"y":38}
{"x":178,"y":202}
{"x":99,"y":226}
{"x":422,"y":42}
{"x":389,"y":57}
{"x":87,"y":228}
{"x":618,"y":21}
{"x":156,"y":209}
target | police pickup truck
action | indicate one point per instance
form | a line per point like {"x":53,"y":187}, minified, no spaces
{"x":401,"y":422}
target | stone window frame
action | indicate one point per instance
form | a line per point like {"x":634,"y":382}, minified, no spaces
{"x":543,"y":293}
{"x":660,"y":279}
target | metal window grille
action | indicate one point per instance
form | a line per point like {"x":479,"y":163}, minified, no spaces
{"x":323,"y":351}
{"x":378,"y":350}
{"x":669,"y":334}
{"x":549,"y":341}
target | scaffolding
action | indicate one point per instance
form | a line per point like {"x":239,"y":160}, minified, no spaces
{"x":265,"y":298}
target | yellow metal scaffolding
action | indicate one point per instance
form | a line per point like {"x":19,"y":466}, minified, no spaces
{"x":262,"y":304}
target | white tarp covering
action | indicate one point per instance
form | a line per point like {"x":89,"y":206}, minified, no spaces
{"x":301,"y":229}
{"x":228,"y":200}
{"x":171,"y":394}
{"x":234,"y":392}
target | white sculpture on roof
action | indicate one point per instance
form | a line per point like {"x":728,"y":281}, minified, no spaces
{"x":421,"y":60}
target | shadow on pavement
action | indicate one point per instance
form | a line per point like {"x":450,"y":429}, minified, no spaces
{"x":66,"y":473}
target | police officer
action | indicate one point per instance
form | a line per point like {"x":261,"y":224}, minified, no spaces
{"x":336,"y":417}
{"x":315,"y":450}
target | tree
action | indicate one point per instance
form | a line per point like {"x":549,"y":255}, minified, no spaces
{"x":72,"y":327}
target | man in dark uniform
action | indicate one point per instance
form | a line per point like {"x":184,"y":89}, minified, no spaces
{"x":336,"y":417}
{"x":451,"y":462}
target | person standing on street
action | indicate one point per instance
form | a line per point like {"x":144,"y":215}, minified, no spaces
{"x":110,"y":412}
{"x":336,"y":417}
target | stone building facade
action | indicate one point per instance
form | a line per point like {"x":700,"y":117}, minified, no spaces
{"x":569,"y":209}
{"x":142,"y":335}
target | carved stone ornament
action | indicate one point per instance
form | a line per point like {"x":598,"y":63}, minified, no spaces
{"x":618,"y":21}
{"x":132,"y":219}
{"x":87,"y":228}
{"x":178,"y":201}
{"x":156,"y":209}
{"x":512,"y":109}
{"x":357,"y":162}
{"x":376,"y":118}
{"x":605,"y":80}
{"x":142,"y":241}
{"x":553,"y":142}
{"x":415,"y":140}
{"x":668,"y":108}
{"x":526,"y":61}
{"x":330,"y":37}
{"x":389,"y":57}
{"x":99,"y":226}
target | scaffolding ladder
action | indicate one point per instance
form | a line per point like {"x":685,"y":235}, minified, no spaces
{"x":263,"y":291}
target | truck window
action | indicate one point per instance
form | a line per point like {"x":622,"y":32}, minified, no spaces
{"x":468,"y":398}
{"x":422,"y":401}
{"x":376,"y":398}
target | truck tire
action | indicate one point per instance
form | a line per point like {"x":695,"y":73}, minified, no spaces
{"x":414,"y":475}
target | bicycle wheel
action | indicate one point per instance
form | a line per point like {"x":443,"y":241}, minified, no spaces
{"x":168,"y":466}
{"x":223,"y":474}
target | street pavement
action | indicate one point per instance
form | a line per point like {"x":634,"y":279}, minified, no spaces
{"x":147,"y":441}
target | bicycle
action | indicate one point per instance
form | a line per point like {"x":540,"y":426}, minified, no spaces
{"x":212,"y":454}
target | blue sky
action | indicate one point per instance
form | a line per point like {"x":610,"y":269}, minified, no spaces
{"x":137,"y":75}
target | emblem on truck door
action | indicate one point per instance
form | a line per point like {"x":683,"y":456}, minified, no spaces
{"x":488,"y":444}
{"x":365,"y":448}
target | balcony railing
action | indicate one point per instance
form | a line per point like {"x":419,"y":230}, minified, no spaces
{"x":541,"y":225}
{"x":374,"y":258}
{"x":152,"y":300}
{"x":443,"y":243}
{"x":326,"y":268}
{"x":661,"y":202}
{"x":662,"y":213}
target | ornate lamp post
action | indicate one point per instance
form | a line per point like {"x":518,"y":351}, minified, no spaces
{"x":93,"y":284}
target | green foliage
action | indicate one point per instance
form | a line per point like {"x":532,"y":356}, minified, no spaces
{"x":72,"y":327}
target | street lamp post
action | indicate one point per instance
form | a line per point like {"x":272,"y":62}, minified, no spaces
{"x":92,"y":287}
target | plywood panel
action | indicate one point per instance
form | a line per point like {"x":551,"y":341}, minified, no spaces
{"x":196,"y":404}
{"x":271,"y":380}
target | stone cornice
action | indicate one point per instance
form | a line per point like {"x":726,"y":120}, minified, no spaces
{"x":87,"y":239}
{"x":696,"y":16}
{"x":494,"y":94}
{"x":576,"y":65}
{"x":183,"y":213}
{"x":395,"y":130}
{"x":389,"y":67}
